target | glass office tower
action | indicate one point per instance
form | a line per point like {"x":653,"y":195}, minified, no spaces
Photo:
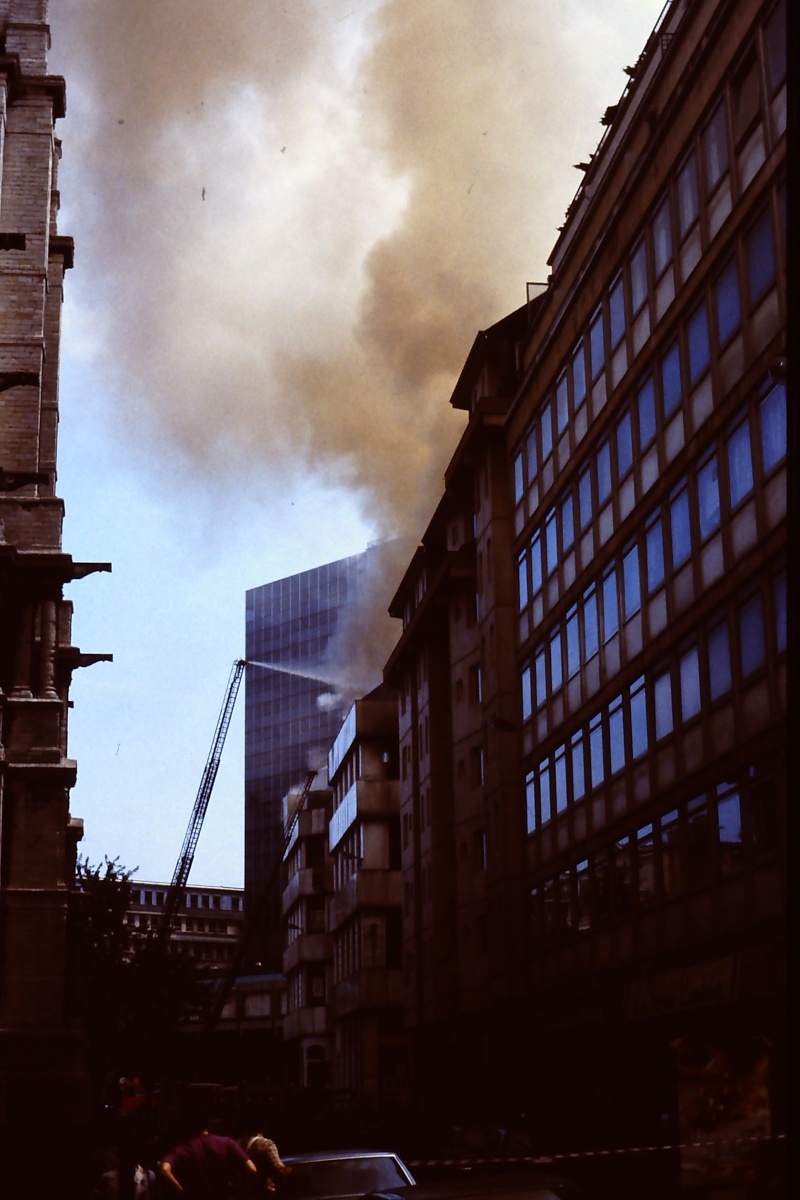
{"x":292,"y":715}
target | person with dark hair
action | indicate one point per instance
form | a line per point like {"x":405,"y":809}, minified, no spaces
{"x":204,"y":1167}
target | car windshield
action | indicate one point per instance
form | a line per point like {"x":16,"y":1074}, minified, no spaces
{"x":342,"y":1177}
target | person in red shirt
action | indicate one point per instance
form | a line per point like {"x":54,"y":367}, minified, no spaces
{"x":203,"y":1167}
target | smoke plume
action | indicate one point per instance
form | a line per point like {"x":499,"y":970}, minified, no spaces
{"x":291,"y":220}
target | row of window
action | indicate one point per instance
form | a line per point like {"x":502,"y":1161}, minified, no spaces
{"x":659,"y":395}
{"x":700,"y":842}
{"x":684,"y":219}
{"x":653,"y":707}
{"x":754,"y":443}
{"x":368,"y":941}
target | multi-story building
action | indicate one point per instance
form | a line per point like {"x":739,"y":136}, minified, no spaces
{"x":42,"y":1072}
{"x":208,"y":922}
{"x":292,"y":715}
{"x":308,"y":956}
{"x":365,"y":918}
{"x":633,"y":476}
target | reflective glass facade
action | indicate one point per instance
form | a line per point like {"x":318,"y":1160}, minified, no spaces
{"x":290,"y":716}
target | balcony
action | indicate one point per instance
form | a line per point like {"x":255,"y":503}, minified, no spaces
{"x":366,"y":798}
{"x":366,"y":889}
{"x":377,"y":988}
{"x":309,"y":881}
{"x":306,"y":1022}
{"x":307,"y":948}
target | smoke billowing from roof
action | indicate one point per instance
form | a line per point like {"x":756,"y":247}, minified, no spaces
{"x":294,"y":217}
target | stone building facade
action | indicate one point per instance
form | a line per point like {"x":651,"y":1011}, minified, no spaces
{"x":41,"y":1067}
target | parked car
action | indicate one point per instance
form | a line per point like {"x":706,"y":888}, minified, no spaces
{"x":473,"y":1184}
{"x":338,"y":1174}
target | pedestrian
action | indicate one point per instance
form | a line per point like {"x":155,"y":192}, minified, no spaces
{"x":269,"y":1165}
{"x":204,"y":1166}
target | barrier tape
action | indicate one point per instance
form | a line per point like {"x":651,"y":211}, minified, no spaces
{"x":547,"y":1159}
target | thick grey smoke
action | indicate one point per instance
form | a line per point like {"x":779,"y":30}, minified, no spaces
{"x":292,"y":218}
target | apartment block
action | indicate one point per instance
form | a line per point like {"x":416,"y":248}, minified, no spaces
{"x":593,"y":663}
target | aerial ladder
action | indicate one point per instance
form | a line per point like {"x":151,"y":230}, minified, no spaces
{"x":186,"y":857}
{"x":253,"y":918}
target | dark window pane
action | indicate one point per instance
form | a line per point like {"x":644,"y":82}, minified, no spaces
{"x":533,"y":459}
{"x":715,"y":148}
{"x":638,"y":276}
{"x":567,"y":522}
{"x":726,"y":292}
{"x":690,"y":684}
{"x":590,"y":623}
{"x":746,"y":99}
{"x":544,"y":791}
{"x":522,"y":575}
{"x":719,"y":662}
{"x":556,"y":668}
{"x":610,"y":606}
{"x":603,"y":472}
{"x":663,"y":705}
{"x":655,"y":556}
{"x":624,"y":445}
{"x":551,"y":536}
{"x":578,"y":768}
{"x":699,"y":352}
{"x":578,"y":376}
{"x":646,"y":402}
{"x":775,"y":36}
{"x":536,"y":562}
{"x":751,"y":636}
{"x":662,"y":238}
{"x":597,"y":344}
{"x":729,"y":829}
{"x":760,"y":257}
{"x":616,"y":313}
{"x":773,"y":427}
{"x":573,"y":645}
{"x":638,"y":719}
{"x":518,"y":480}
{"x":780,"y":612}
{"x":688,"y":200}
{"x":671,"y":380}
{"x":585,"y":497}
{"x":698,"y":841}
{"x":616,"y":736}
{"x":561,"y":778}
{"x":547,"y":432}
{"x":680,"y":529}
{"x":562,"y":403}
{"x":708,"y":498}
{"x":630,"y":574}
{"x":597,"y":766}
{"x":740,"y":464}
{"x":527,"y":698}
{"x":540,"y":667}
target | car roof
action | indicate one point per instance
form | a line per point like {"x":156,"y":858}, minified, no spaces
{"x":323,"y":1155}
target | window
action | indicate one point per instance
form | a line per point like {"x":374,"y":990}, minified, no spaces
{"x":596,"y":343}
{"x":729,"y":828}
{"x":638,"y":276}
{"x":772,"y":412}
{"x":556,"y":668}
{"x":775,"y":47}
{"x":597,"y":765}
{"x":715,"y":148}
{"x":624,"y":444}
{"x":522,"y":575}
{"x":662,"y":691}
{"x":751,"y":636}
{"x":573,"y":643}
{"x":688,"y":199}
{"x":590,"y":637}
{"x":645,"y":861}
{"x":638,"y":718}
{"x":567,"y":522}
{"x":760,"y":250}
{"x":662,"y":238}
{"x":578,"y":376}
{"x":671,"y":380}
{"x":530,"y":805}
{"x":560,"y":778}
{"x":562,"y":403}
{"x":630,"y":577}
{"x":544,"y":791}
{"x":610,"y":605}
{"x":646,"y":403}
{"x":616,"y":735}
{"x":698,"y":843}
{"x":540,"y":667}
{"x":578,"y":767}
{"x":719,"y":661}
{"x":547,"y":432}
{"x":671,"y":852}
{"x":585,"y":497}
{"x":690,"y":684}
{"x":680,"y":528}
{"x":654,"y":545}
{"x":536,"y":562}
{"x":728,"y":308}
{"x":603,"y":472}
{"x":533,"y":460}
{"x":551,"y":540}
{"x":746,"y":99}
{"x":740,"y":464}
{"x":697,"y":337}
{"x":708,"y":498}
{"x":616,"y":313}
